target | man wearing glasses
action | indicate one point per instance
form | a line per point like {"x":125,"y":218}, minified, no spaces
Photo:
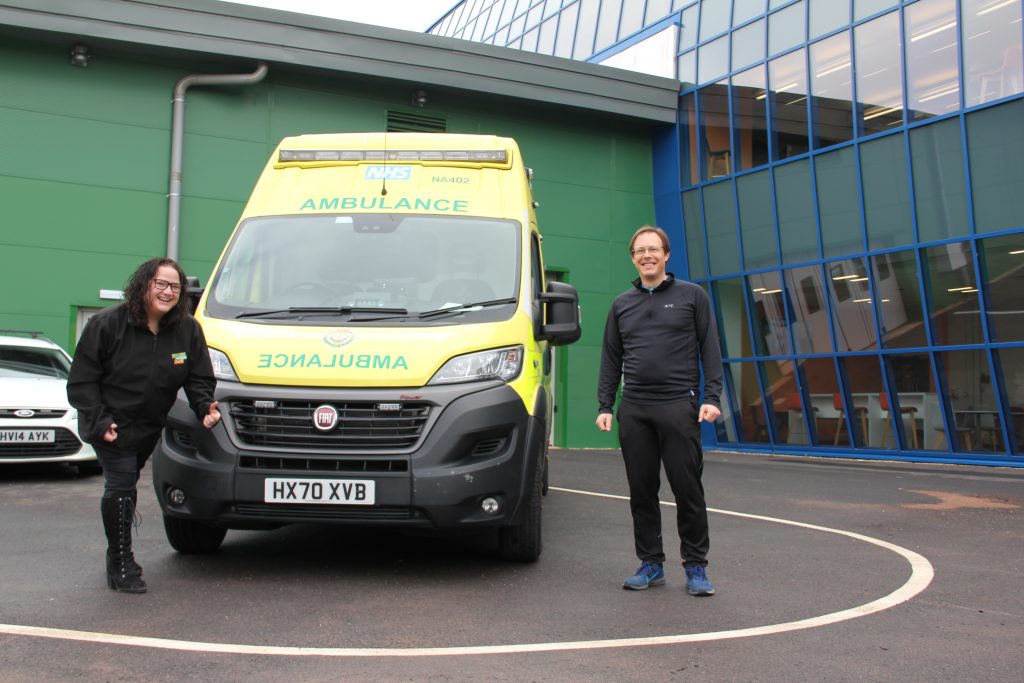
{"x":659,"y":337}
{"x":128,"y":367}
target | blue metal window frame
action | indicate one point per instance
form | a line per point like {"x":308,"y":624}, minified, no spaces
{"x":883,"y":354}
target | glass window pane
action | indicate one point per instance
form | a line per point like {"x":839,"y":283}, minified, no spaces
{"x":743,"y":10}
{"x":546,"y":42}
{"x":732,"y":318}
{"x":899,"y":294}
{"x":688,"y":69}
{"x":870,"y":424}
{"x":725,"y":426}
{"x":786,"y":28}
{"x":720,"y":217}
{"x":784,"y":396}
{"x":585,"y":29}
{"x":953,"y":294}
{"x":771,"y":333}
{"x":819,"y":379}
{"x":940,"y":187}
{"x":996,"y":149}
{"x":753,"y":421}
{"x":748,"y":45}
{"x":993,"y":58}
{"x":850,"y":296}
{"x":713,"y":60}
{"x":530,"y":40}
{"x":827,"y":15}
{"x":832,"y":90}
{"x":805,"y":293}
{"x":750,"y":119}
{"x":656,"y":9}
{"x":714,"y":17}
{"x":1003,"y":275}
{"x":865,"y":8}
{"x":694,"y":235}
{"x":933,"y":76}
{"x":716,"y":150}
{"x":688,"y":28}
{"x":688,"y":140}
{"x":879,"y":74}
{"x":756,"y":220}
{"x":976,"y":422}
{"x":1012,"y":362}
{"x":632,"y":17}
{"x":916,"y":405}
{"x":787,"y":80}
{"x":839,"y":202}
{"x":883,"y":171}
{"x":797,"y":229}
{"x":566,"y":31}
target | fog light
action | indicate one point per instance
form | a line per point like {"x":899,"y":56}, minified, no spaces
{"x":490,"y":506}
{"x":176,"y":496}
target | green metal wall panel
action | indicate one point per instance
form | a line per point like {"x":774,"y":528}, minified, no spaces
{"x":84,"y":179}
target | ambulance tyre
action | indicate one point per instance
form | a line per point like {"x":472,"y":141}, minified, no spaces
{"x":192,"y":538}
{"x":522,"y":542}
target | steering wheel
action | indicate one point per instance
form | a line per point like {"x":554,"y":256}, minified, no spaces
{"x":300,"y":289}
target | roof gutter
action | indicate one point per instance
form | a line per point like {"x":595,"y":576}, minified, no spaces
{"x":178,"y":142}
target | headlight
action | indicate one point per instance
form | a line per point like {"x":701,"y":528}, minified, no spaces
{"x":503,"y":364}
{"x":222,"y":366}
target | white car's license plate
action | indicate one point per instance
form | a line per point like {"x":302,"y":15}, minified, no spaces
{"x":26,"y":436}
{"x":320,"y":491}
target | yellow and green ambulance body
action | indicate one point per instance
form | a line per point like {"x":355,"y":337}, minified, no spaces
{"x":381,"y":330}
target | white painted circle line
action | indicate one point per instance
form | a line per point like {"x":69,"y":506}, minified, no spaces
{"x":921,"y":575}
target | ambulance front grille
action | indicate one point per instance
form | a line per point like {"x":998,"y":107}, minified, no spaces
{"x":361,"y":425}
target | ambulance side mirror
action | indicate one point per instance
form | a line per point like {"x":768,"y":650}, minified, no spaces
{"x":561,"y":321}
{"x":194,"y":292}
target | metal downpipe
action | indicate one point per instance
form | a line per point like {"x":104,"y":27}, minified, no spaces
{"x":178,"y":142}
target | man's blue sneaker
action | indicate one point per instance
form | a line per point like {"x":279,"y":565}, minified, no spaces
{"x":697,"y":581}
{"x":649,"y":574}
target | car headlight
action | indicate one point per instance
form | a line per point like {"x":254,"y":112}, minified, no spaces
{"x":503,"y":364}
{"x":222,"y":366}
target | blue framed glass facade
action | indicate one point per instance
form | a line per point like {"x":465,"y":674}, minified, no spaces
{"x":852,"y":197}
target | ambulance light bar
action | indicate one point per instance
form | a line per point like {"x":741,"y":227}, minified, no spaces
{"x":471,"y":155}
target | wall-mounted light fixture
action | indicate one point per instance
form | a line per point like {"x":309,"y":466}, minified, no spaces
{"x":419,"y":98}
{"x":80,"y":55}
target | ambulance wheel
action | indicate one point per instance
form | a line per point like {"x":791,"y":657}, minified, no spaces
{"x":522,"y":542}
{"x":192,"y":538}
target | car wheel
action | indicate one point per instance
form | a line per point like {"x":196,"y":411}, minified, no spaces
{"x":522,"y":542}
{"x":191,"y":537}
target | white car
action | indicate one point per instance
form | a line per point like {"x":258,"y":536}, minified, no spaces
{"x":37,"y":424}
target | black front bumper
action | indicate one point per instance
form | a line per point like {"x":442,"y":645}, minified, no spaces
{"x":477,"y":442}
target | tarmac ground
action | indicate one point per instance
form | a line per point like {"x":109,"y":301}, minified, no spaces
{"x":826,"y":570}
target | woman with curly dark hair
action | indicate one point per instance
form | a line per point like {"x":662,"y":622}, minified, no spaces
{"x":128,"y":367}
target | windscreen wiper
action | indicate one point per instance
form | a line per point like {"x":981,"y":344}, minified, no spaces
{"x":462,"y":308}
{"x":303,"y":311}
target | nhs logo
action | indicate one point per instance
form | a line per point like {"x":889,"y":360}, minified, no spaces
{"x":388,"y":172}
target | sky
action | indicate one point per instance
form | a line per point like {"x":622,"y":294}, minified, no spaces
{"x":411,"y":15}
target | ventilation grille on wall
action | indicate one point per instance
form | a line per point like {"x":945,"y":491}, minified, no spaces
{"x":403,"y":122}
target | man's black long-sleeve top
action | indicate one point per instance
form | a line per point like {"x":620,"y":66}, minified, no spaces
{"x":658,"y":341}
{"x":122,"y":373}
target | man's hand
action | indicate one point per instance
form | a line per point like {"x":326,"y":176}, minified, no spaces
{"x":604,"y":422}
{"x":212,"y":416}
{"x":708,"y":412}
{"x":111,"y":433}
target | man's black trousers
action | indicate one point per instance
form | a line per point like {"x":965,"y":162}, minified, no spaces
{"x":669,"y":434}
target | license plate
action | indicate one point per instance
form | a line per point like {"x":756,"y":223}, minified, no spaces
{"x":320,"y":491}
{"x":26,"y":436}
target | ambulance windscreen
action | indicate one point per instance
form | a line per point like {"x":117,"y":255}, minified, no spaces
{"x":390,"y":261}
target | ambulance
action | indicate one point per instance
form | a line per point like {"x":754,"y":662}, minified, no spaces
{"x":381,"y":329}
